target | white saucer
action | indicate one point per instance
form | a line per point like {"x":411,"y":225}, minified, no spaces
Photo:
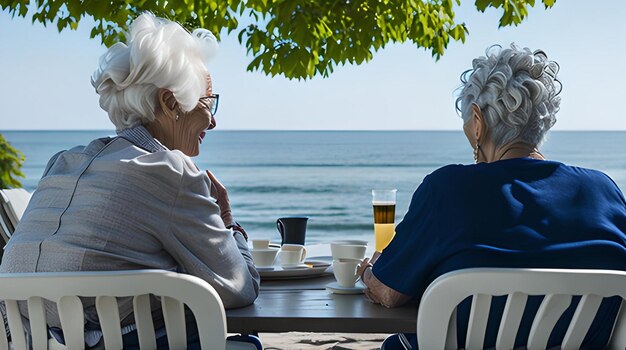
{"x":334,"y":287}
{"x":311,"y":268}
{"x":283,"y":267}
{"x":295,"y":266}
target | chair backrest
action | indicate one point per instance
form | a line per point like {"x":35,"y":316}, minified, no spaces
{"x":63,"y":288}
{"x":6,"y":228}
{"x":14,"y":202}
{"x":436,"y":320}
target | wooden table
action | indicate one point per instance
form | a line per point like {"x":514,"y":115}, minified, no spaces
{"x":305,"y":305}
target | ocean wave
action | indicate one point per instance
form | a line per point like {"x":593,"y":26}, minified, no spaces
{"x":334,"y":226}
{"x":281,"y":189}
{"x":331,"y":227}
{"x":324,"y":165}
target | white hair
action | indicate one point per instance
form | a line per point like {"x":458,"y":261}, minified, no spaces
{"x":158,"y":54}
{"x":517,"y":92}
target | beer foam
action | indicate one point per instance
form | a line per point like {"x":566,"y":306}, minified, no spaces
{"x":383,"y":203}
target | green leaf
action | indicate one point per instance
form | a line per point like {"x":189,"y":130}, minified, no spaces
{"x":23,"y":10}
{"x":61,"y":24}
{"x":482,"y":5}
{"x":11,"y":161}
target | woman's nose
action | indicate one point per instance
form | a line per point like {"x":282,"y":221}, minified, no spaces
{"x":212,"y":124}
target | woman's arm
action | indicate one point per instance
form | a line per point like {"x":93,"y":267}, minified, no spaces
{"x":192,"y":230}
{"x":204,"y":247}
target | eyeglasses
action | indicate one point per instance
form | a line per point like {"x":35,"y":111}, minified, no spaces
{"x":211,"y":103}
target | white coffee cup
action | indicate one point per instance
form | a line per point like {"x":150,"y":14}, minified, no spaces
{"x":292,"y":254}
{"x":260,"y":243}
{"x":264,"y":257}
{"x":345,"y":271}
{"x":347,"y":250}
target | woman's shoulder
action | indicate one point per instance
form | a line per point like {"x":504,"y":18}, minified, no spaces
{"x":562,"y":170}
{"x":450,"y":172}
{"x":444,"y":182}
{"x":509,"y":166}
{"x":458,"y":176}
{"x":518,"y":169}
{"x":123,"y":157}
{"x":585,"y":172}
{"x":170,"y":159}
{"x":590,"y":178}
{"x":126,"y":153}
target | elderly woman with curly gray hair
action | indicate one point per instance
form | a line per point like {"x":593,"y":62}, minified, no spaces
{"x":513,"y":208}
{"x":137,"y":200}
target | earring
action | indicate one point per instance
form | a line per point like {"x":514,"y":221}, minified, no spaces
{"x":176,"y":117}
{"x":476,"y":150}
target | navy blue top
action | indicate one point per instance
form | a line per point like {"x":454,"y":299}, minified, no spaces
{"x":515,"y":213}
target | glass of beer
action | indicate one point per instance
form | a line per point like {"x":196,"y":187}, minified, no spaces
{"x":384,"y":202}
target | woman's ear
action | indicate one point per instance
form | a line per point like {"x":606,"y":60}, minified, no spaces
{"x":479,"y":122}
{"x":168,"y":102}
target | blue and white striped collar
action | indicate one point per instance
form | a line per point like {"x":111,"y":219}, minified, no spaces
{"x":140,"y":137}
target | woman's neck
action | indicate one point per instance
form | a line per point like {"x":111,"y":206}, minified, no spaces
{"x":517,"y":150}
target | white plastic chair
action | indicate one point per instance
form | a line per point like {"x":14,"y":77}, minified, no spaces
{"x":6,"y":229}
{"x":436,"y":320}
{"x":175,"y":290}
{"x":14,"y":202}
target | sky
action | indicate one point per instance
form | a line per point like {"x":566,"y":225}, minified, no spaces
{"x":44,"y":77}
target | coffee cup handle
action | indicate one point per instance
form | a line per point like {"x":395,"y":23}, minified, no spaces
{"x":281,"y":229}
{"x":303,"y":254}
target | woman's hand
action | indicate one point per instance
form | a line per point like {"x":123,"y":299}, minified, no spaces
{"x":376,"y":291}
{"x":218,"y":191}
{"x":363,"y":266}
{"x":367,"y":262}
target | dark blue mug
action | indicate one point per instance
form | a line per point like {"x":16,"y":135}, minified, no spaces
{"x":292,"y":229}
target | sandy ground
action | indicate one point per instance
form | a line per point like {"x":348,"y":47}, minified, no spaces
{"x":321,"y":341}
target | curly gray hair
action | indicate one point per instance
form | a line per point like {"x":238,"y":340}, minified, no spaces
{"x":158,"y":54}
{"x":516,"y":90}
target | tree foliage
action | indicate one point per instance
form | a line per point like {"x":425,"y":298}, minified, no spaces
{"x":10,"y":164}
{"x":295,"y":38}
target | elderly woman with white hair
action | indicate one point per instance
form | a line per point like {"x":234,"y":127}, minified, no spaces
{"x":513,"y":208}
{"x":137,"y":200}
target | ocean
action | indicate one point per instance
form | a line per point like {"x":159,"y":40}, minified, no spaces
{"x":328,"y":175}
